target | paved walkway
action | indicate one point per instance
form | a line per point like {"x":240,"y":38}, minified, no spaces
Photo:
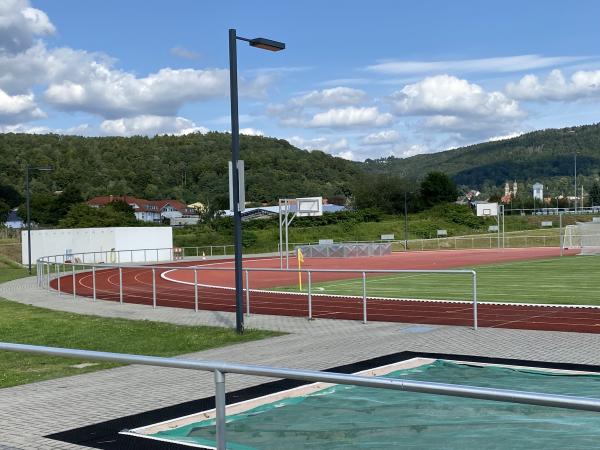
{"x":29,"y":412}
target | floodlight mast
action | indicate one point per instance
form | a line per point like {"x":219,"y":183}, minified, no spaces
{"x":28,"y":169}
{"x":265,"y":44}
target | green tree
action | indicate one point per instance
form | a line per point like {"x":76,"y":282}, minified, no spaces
{"x":122,"y":207}
{"x":384,"y":192}
{"x":63,"y":202}
{"x":41,"y":206}
{"x":10,"y":195}
{"x":594,"y":194}
{"x":83,"y":216}
{"x":437,"y":187}
{"x":4,"y":210}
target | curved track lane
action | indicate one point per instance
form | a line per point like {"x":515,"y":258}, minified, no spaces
{"x":215,"y":292}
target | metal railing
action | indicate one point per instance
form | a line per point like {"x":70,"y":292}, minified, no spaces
{"x":48,"y":269}
{"x":458,"y":242}
{"x":220,"y":369}
{"x":139,"y":255}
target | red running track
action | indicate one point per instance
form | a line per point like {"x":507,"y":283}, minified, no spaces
{"x":215,"y":291}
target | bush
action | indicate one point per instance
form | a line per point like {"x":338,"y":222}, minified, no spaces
{"x":459,"y":214}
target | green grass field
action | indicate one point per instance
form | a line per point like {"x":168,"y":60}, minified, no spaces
{"x":567,"y":280}
{"x":30,"y":325}
{"x":26,"y":324}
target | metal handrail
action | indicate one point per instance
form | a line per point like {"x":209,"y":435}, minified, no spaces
{"x":44,"y":277}
{"x":220,"y":368}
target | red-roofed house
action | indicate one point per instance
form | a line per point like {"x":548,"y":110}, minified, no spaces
{"x":148,"y":210}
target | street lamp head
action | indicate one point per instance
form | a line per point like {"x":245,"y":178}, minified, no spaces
{"x":267,"y":44}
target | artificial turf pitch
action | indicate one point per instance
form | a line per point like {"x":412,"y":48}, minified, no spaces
{"x":569,"y":280}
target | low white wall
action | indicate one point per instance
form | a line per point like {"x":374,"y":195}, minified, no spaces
{"x":108,"y":241}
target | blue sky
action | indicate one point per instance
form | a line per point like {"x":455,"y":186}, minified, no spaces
{"x":357,"y":79}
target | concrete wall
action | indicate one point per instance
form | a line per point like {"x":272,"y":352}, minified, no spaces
{"x":108,"y":241}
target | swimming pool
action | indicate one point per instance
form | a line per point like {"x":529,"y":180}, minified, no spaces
{"x":336,"y":417}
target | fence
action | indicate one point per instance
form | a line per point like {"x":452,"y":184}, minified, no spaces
{"x":345,"y":250}
{"x":220,"y":369}
{"x":50,"y":268}
{"x":140,"y":255}
{"x":457,"y":242}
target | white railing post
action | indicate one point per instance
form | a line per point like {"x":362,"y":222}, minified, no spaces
{"x":57,"y":267}
{"x":364,"y":286}
{"x":145,"y":259}
{"x":475,"y":300}
{"x":153,"y":288}
{"x":74,"y":283}
{"x":220,"y":421}
{"x":196,"y":290}
{"x":93,"y":283}
{"x":309,"y":295}
{"x":247,"y":293}
{"x":121,"y":285}
{"x":49,"y":269}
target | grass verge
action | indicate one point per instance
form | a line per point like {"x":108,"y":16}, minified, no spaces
{"x":31,"y":325}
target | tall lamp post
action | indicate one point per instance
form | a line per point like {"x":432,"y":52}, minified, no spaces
{"x":28,"y":169}
{"x":265,"y":44}
{"x":574,"y":133}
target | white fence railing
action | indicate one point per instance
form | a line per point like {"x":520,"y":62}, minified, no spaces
{"x":55,"y":267}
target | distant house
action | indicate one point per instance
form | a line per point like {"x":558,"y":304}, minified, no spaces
{"x":13,"y":220}
{"x":149,"y":210}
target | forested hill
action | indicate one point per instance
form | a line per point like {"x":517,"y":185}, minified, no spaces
{"x":546,"y":156}
{"x":194,"y":167}
{"x":191,"y":167}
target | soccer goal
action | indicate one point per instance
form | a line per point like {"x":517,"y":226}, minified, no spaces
{"x":584,"y":236}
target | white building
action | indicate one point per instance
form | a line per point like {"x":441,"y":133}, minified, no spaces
{"x":538,"y":191}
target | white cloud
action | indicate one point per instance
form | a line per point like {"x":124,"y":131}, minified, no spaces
{"x":381,"y":137}
{"x":76,"y":80}
{"x":351,"y":117}
{"x":251,"y":132}
{"x":514,"y":134}
{"x":320,"y":143}
{"x":582,"y":84}
{"x":337,"y":96}
{"x":348,"y":154}
{"x":329,"y":108}
{"x":79,"y":130}
{"x":411,"y":150}
{"x":18,"y":108}
{"x":150,"y":125}
{"x":448,"y":95}
{"x":498,"y":64}
{"x":184,"y":53}
{"x":115,"y":93}
{"x":20,"y":24}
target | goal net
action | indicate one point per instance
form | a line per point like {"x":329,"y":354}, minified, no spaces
{"x":585,"y":236}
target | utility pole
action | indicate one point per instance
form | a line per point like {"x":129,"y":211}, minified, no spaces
{"x":405,"y":223}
